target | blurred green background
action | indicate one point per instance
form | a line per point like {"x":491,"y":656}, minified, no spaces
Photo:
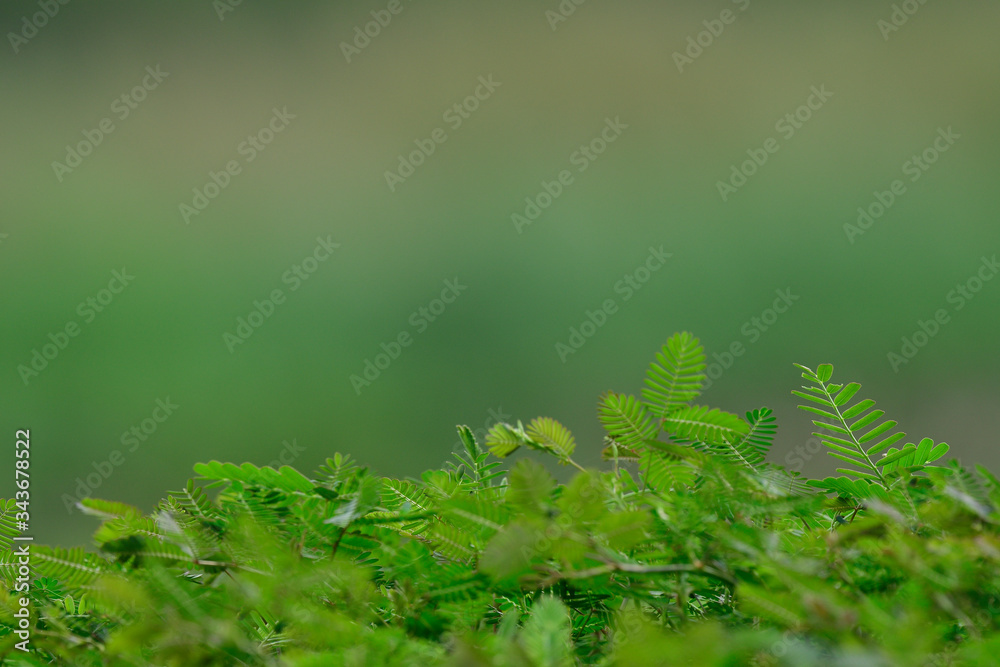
{"x":492,"y":352}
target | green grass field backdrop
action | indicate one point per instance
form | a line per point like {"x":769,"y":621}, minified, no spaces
{"x":689,"y":92}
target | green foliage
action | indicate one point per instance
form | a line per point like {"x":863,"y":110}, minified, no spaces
{"x":689,"y":548}
{"x":674,"y":378}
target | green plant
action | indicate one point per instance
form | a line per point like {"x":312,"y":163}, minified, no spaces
{"x":690,"y":548}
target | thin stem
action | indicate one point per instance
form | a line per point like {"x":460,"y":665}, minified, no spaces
{"x":635,"y":568}
{"x":336,"y":544}
{"x":227,"y":566}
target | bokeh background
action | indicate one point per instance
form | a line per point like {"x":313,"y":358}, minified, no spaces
{"x":492,"y":353}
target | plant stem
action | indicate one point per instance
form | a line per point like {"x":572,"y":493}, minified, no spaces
{"x":635,"y":568}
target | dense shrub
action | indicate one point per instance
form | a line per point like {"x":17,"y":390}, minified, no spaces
{"x":688,"y":548}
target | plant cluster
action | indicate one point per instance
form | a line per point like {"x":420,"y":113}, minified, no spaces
{"x":688,"y":548}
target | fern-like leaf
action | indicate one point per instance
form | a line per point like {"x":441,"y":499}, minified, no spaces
{"x":74,"y":568}
{"x":502,"y":440}
{"x":853,"y":425}
{"x":626,"y":420}
{"x":911,"y":458}
{"x":665,"y":475}
{"x":286,"y":478}
{"x":708,"y":425}
{"x":399,"y":495}
{"x":750,"y":449}
{"x":552,"y":436}
{"x":674,"y":378}
{"x":193,"y":500}
{"x":543,"y":433}
{"x":861,"y":489}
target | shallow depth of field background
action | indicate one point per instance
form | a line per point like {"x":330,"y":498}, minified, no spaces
{"x":493,"y":349}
